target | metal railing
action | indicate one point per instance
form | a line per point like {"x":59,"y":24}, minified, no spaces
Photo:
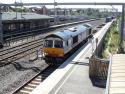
{"x":109,"y":75}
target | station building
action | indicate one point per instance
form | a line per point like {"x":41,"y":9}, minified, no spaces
{"x":15,"y":22}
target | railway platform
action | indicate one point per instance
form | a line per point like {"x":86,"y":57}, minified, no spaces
{"x":78,"y":81}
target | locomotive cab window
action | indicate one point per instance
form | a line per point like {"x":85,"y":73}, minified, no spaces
{"x":67,"y":43}
{"x":75,"y":39}
{"x":58,"y":44}
{"x":48,"y":43}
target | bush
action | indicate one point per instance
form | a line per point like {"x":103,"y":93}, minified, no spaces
{"x":111,"y":41}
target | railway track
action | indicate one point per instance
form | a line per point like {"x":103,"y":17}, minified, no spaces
{"x":19,"y":36}
{"x":12,"y":54}
{"x":29,"y":86}
{"x":32,"y":32}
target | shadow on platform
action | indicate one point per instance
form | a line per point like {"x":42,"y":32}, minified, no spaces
{"x":81,"y":63}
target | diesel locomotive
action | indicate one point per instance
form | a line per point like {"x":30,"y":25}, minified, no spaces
{"x":58,"y":46}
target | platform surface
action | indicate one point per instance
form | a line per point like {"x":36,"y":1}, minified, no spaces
{"x":117,"y":78}
{"x":78,"y":82}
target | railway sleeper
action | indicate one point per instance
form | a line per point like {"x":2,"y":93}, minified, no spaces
{"x":24,"y":92}
{"x":32,"y":85}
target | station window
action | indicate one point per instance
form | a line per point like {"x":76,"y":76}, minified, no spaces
{"x":48,"y":43}
{"x":21,"y":26}
{"x":13,"y":26}
{"x":58,"y":44}
{"x":6,"y":27}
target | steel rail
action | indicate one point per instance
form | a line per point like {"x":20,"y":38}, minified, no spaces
{"x":16,"y":53}
{"x":51,"y":27}
{"x":17,"y":58}
{"x":19,"y":47}
{"x":2,"y":50}
{"x":19,"y":54}
{"x":51,"y":68}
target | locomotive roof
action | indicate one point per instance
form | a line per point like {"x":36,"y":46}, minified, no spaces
{"x":68,"y":33}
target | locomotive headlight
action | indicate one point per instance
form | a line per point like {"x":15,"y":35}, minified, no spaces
{"x":60,"y":55}
{"x":45,"y":53}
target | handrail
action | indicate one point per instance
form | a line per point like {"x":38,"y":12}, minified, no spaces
{"x":108,"y":77}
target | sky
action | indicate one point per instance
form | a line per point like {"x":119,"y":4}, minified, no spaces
{"x":49,"y":1}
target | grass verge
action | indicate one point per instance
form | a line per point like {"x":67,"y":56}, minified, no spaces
{"x":111,"y":41}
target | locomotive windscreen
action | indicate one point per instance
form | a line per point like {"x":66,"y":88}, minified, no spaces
{"x":58,"y":44}
{"x":48,"y":43}
{"x":53,"y":43}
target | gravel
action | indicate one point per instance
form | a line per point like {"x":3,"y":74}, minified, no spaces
{"x":16,"y":74}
